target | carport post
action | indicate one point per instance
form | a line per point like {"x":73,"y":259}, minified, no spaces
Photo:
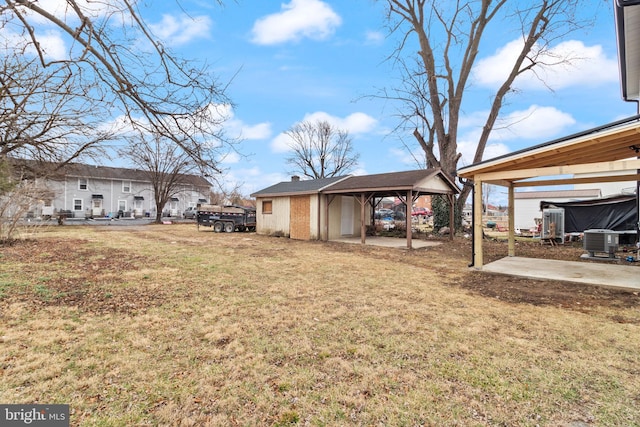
{"x":452,"y":215}
{"x":363,"y":225}
{"x":477,"y":222}
{"x":512,"y":221}
{"x":407,"y":218}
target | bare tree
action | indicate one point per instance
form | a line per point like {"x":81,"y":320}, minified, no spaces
{"x":320,"y":150}
{"x":113,"y":63}
{"x":165,"y":164}
{"x":18,"y":194}
{"x":43,"y":116}
{"x":449,"y":37}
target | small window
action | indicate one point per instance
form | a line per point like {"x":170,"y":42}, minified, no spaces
{"x":77,"y":204}
{"x":122,"y":205}
{"x":126,"y":186}
{"x":83,"y":184}
{"x":267,"y":207}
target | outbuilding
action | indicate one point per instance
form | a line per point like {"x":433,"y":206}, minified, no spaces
{"x":331,"y":208}
{"x":293,"y":208}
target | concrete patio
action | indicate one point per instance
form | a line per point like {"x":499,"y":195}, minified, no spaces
{"x":607,"y":274}
{"x":389,"y":242}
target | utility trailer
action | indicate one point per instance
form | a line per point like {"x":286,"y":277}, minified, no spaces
{"x":227,"y":218}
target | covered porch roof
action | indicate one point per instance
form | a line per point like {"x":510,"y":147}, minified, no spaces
{"x":604,"y":154}
{"x":609,"y":148}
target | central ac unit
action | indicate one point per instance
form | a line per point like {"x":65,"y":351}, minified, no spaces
{"x":600,"y":240}
{"x":553,"y":224}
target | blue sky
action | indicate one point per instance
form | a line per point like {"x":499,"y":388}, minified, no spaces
{"x":294,"y":60}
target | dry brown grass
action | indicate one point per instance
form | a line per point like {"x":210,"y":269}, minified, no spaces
{"x":165,"y":325}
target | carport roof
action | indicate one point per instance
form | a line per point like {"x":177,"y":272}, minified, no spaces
{"x":426,"y":181}
{"x":608,"y":148}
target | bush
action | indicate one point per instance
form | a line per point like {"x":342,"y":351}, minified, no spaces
{"x":440,"y":206}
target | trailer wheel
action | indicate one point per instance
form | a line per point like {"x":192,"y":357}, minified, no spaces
{"x":229,"y":227}
{"x":218,"y":226}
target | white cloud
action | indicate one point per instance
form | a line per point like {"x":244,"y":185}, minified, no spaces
{"x":181,"y":30}
{"x":230,"y":158}
{"x":259,"y":131}
{"x":298,"y":19}
{"x":583,"y":66}
{"x":238,"y":129}
{"x":52,"y":45}
{"x":252,"y":179}
{"x":535,"y":123}
{"x":404,"y":157}
{"x":468,"y":149}
{"x":355,"y":124}
{"x":374,"y":37}
{"x":281,"y":143}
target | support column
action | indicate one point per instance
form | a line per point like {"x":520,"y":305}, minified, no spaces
{"x":512,"y":220}
{"x":478,"y":232}
{"x":452,"y":215}
{"x":327,"y":201}
{"x":321,"y":198}
{"x":408,"y":217}
{"x":363,"y":226}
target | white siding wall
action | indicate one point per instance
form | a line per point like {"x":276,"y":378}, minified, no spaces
{"x":314,"y":204}
{"x":278,"y":220}
{"x":111,"y":190}
{"x":525,"y":212}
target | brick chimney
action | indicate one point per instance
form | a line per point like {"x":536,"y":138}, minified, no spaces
{"x":295,"y":178}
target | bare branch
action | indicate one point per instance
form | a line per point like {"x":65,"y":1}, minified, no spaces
{"x":319,"y":150}
{"x":153,"y":91}
{"x":450,"y":37}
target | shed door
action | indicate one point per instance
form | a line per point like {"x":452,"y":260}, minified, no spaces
{"x":346,"y":223}
{"x":300,"y":218}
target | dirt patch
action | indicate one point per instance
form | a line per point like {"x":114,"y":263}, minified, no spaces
{"x":74,"y":273}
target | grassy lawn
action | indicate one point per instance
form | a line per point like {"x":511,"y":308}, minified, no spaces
{"x":165,"y":325}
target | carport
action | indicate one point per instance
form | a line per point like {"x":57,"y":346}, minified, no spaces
{"x":406,"y":186}
{"x":604,"y":154}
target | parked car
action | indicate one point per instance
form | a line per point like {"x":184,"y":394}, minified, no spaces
{"x":190,"y":213}
{"x":384,"y":214}
{"x":420,"y":212}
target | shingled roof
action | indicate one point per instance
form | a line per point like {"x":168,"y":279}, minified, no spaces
{"x":81,"y":170}
{"x":428,"y":181}
{"x":298,"y":187}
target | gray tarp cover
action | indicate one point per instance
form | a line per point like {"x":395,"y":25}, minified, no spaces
{"x":618,"y":213}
